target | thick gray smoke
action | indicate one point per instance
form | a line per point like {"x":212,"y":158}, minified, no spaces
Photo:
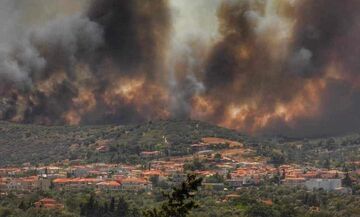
{"x":275,"y":66}
{"x":68,"y":68}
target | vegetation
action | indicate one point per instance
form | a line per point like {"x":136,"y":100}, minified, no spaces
{"x":265,"y":201}
{"x":179,"y":202}
{"x":41,"y":144}
{"x":321,"y":152}
{"x":123,"y":144}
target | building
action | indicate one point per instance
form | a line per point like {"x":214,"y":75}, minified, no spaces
{"x":234,"y":183}
{"x":135,"y":184}
{"x":49,"y":204}
{"x":23,"y":184}
{"x":150,"y":154}
{"x":147,"y":174}
{"x":80,"y":171}
{"x":325,"y":184}
{"x":108,"y":186}
{"x":294,"y":182}
{"x":200,"y":147}
{"x":213,"y":186}
{"x":3,"y":185}
{"x":75,"y":183}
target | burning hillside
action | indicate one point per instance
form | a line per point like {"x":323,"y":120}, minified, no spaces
{"x":273,"y":66}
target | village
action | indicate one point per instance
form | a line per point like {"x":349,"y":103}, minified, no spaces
{"x":224,"y":165}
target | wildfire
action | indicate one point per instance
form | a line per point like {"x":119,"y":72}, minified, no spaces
{"x":146,"y":98}
{"x":253,"y":116}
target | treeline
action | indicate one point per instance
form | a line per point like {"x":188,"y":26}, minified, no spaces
{"x":113,"y":208}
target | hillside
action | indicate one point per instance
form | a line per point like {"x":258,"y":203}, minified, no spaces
{"x":322,"y":152}
{"x":43,"y":144}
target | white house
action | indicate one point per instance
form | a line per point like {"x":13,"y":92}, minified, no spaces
{"x":326,"y":184}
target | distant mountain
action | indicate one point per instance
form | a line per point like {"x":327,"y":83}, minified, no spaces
{"x":42,"y":144}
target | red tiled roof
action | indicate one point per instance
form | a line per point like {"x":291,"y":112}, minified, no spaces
{"x":109,"y":183}
{"x":134,"y":180}
{"x":75,"y":180}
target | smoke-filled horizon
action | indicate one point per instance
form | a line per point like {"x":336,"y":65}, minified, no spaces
{"x":263,"y":67}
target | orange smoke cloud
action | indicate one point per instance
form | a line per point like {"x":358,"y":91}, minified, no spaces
{"x":252,"y":117}
{"x":144,"y":97}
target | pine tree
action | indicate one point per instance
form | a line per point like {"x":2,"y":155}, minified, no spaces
{"x":22,"y":206}
{"x":347,"y":181}
{"x":112,"y":205}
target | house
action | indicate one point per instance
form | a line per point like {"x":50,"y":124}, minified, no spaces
{"x":10,"y":171}
{"x":150,"y":154}
{"x":102,"y":148}
{"x":23,"y":184}
{"x":75,"y":183}
{"x":49,"y":204}
{"x":294,"y":182}
{"x":213,"y":186}
{"x":135,"y":184}
{"x":234,"y":183}
{"x":223,"y":143}
{"x":3,"y":184}
{"x":80,"y":171}
{"x":147,"y":174}
{"x":48,"y":170}
{"x":205,"y":153}
{"x":108,"y":186}
{"x":325,"y":184}
{"x":200,"y":147}
{"x":44,"y":183}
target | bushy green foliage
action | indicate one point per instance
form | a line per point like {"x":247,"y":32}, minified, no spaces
{"x":180,"y":201}
{"x":285,"y":202}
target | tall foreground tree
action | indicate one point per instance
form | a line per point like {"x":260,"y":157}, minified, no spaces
{"x":180,"y":201}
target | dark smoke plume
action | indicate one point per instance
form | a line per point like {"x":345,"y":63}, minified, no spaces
{"x":275,"y":66}
{"x":315,"y":69}
{"x":66,"y":70}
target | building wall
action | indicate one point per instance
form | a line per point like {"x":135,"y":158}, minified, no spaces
{"x":326,"y":184}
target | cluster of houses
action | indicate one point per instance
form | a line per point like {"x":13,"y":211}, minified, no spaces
{"x":117,"y":177}
{"x":314,"y":178}
{"x":97,"y":176}
{"x":234,"y":173}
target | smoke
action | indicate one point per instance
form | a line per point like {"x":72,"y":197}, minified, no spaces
{"x":89,"y":66}
{"x":265,"y":67}
{"x":193,"y":30}
{"x":286,"y":65}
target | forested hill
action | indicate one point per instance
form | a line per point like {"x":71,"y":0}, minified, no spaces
{"x":42,"y":144}
{"x":123,"y":144}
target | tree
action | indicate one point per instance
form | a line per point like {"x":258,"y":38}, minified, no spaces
{"x":122,"y":208}
{"x":327,"y":164}
{"x":22,"y":206}
{"x":260,"y":210}
{"x":347,"y":182}
{"x":196,"y":164}
{"x":112,"y":205}
{"x":180,"y":201}
{"x":216,"y":178}
{"x":154,"y":180}
{"x":217,"y":157}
